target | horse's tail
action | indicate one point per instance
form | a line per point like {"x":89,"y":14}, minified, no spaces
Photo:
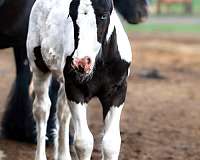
{"x":18,"y":122}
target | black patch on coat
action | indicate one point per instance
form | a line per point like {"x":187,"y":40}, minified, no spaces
{"x":73,"y":12}
{"x":103,"y":10}
{"x":108,"y":81}
{"x":39,"y":60}
{"x":102,"y":20}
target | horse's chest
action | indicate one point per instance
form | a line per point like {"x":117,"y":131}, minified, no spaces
{"x":106,"y":79}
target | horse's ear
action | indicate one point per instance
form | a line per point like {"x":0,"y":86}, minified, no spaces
{"x":111,"y":46}
{"x":113,"y":41}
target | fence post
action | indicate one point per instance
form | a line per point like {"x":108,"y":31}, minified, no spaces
{"x":158,"y":7}
{"x":188,"y":7}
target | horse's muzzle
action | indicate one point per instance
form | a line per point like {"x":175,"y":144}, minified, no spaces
{"x":82,"y":65}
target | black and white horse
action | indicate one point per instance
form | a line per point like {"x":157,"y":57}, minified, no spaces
{"x":78,"y":42}
{"x":107,"y":82}
{"x":14,"y":15}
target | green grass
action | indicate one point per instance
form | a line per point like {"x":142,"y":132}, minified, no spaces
{"x":179,"y":8}
{"x":176,"y":9}
{"x":196,"y":5}
{"x":151,"y":27}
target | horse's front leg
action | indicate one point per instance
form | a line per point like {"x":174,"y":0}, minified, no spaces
{"x":62,"y":151}
{"x":112,"y":140}
{"x":112,"y":108}
{"x":83,"y":137}
{"x":41,"y":108}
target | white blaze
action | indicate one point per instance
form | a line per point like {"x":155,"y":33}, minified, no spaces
{"x":88,"y":44}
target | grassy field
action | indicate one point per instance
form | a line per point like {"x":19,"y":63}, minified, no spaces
{"x":156,"y":27}
{"x":179,"y":8}
{"x":176,"y":12}
{"x":196,"y":5}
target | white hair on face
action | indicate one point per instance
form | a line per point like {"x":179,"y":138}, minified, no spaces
{"x":88,"y":44}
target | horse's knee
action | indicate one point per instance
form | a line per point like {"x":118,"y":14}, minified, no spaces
{"x":63,"y":110}
{"x":111,"y":146}
{"x":84,"y":145}
{"x":41,"y":108}
{"x":64,"y":114}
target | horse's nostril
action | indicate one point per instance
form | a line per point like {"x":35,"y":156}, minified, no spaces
{"x":88,"y":60}
{"x":81,"y":69}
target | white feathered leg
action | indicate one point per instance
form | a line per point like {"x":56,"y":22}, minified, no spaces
{"x":41,"y":108}
{"x":62,"y":146}
{"x":112,"y":139}
{"x":83,"y":137}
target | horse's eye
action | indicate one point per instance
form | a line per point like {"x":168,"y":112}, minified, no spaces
{"x":104,"y":17}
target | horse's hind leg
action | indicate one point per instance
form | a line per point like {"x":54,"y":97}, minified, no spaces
{"x":62,"y":151}
{"x":41,"y":109}
{"x":19,"y":106}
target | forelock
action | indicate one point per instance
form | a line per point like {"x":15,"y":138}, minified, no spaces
{"x":73,"y":13}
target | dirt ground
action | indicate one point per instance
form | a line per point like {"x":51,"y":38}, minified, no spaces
{"x":161,"y":117}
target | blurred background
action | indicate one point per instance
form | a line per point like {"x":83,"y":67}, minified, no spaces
{"x":163,"y":101}
{"x":181,"y":16}
{"x":161,"y":118}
